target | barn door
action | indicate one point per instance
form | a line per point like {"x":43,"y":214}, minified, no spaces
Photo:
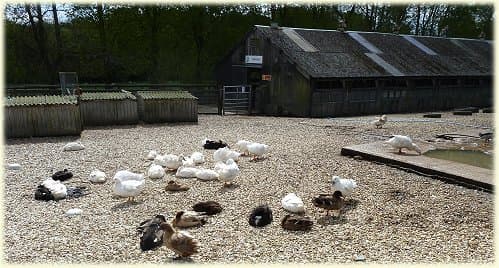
{"x":236,"y":99}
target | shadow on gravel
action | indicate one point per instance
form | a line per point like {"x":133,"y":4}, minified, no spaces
{"x":331,"y":220}
{"x":228,"y":188}
{"x":350,"y":204}
{"x":125,"y":205}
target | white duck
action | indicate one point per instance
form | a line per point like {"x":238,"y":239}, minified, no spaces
{"x":186,"y":172}
{"x":206,"y":174}
{"x":257,"y":149}
{"x":151,"y":155}
{"x":155,"y":171}
{"x":172,"y":161}
{"x":293,"y":203}
{"x":242,"y":146}
{"x":128,"y":184}
{"x":380,"y":121}
{"x":198,"y":158}
{"x":345,"y":186}
{"x":73,"y":212}
{"x":224,"y":154}
{"x":97,"y":176}
{"x":56,"y":188}
{"x":14,"y":166}
{"x":399,"y":142}
{"x":188,"y":162}
{"x":159,"y":160}
{"x":73,"y":146}
{"x":227,"y":171}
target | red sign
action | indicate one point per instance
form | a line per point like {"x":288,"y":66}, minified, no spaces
{"x":266,"y":77}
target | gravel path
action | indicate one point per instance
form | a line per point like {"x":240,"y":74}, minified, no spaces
{"x":392,"y":217}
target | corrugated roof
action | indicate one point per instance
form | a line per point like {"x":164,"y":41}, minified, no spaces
{"x":177,"y":94}
{"x":342,"y":55}
{"x":40,"y":100}
{"x":85,"y":96}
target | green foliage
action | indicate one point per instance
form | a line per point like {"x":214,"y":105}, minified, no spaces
{"x":160,"y":43}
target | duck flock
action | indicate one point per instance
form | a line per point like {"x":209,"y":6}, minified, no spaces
{"x":158,"y":231}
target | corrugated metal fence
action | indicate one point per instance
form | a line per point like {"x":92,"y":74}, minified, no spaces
{"x":207,"y":93}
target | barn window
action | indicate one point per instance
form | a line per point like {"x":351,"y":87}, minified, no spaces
{"x":328,"y":84}
{"x":471,"y":82}
{"x":362,"y":95}
{"x":423,"y":83}
{"x":395,"y":83}
{"x":363,"y":84}
{"x":394,"y":93}
{"x":448,"y":82}
{"x":486,"y":82}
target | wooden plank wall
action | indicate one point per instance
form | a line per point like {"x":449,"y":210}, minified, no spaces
{"x":109,"y":112}
{"x":171,"y":110}
{"x":325,"y":103}
{"x":42,"y":121}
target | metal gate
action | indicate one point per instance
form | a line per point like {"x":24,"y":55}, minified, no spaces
{"x":236,"y":99}
{"x":69,"y":82}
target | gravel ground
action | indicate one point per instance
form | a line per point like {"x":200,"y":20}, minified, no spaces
{"x":392,"y":217}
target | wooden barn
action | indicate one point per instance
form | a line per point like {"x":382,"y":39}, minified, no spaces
{"x":167,"y":106}
{"x":40,"y":116}
{"x":322,"y":73}
{"x":108,"y":108}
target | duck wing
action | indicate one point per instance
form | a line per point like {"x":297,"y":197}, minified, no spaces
{"x":183,"y":244}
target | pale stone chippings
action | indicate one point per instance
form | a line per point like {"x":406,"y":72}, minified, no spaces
{"x":394,"y":216}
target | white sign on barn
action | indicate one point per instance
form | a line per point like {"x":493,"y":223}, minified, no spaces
{"x":253,"y":59}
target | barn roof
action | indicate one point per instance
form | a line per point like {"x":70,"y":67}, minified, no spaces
{"x":40,"y":100}
{"x":87,"y":96}
{"x":330,"y":53}
{"x":157,"y":95}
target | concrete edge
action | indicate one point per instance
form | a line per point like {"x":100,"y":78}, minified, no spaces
{"x":451,"y":178}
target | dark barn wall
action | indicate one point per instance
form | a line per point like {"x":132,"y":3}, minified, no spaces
{"x":289,"y":90}
{"x":229,"y":75}
{"x":338,"y":97}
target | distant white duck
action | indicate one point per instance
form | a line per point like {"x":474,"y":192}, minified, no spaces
{"x":73,"y":212}
{"x":128,"y":184}
{"x":345,"y":186}
{"x":379,"y":121}
{"x":198,"y":158}
{"x":155,"y":171}
{"x":97,"y":176}
{"x":159,"y":160}
{"x":172,"y":161}
{"x":242,"y":146}
{"x":73,"y":146}
{"x":206,"y":174}
{"x":293,"y":203}
{"x":186,"y":172}
{"x":14,"y":166}
{"x":56,"y":188}
{"x":227,"y":171}
{"x":257,"y":149}
{"x":399,"y":142}
{"x":224,"y":154}
{"x":151,"y":155}
{"x":188,"y":162}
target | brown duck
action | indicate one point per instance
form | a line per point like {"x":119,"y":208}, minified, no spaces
{"x":329,"y":202}
{"x":188,"y":219}
{"x":296,"y":223}
{"x":208,"y":207}
{"x":181,"y":242}
{"x":174,"y":186}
